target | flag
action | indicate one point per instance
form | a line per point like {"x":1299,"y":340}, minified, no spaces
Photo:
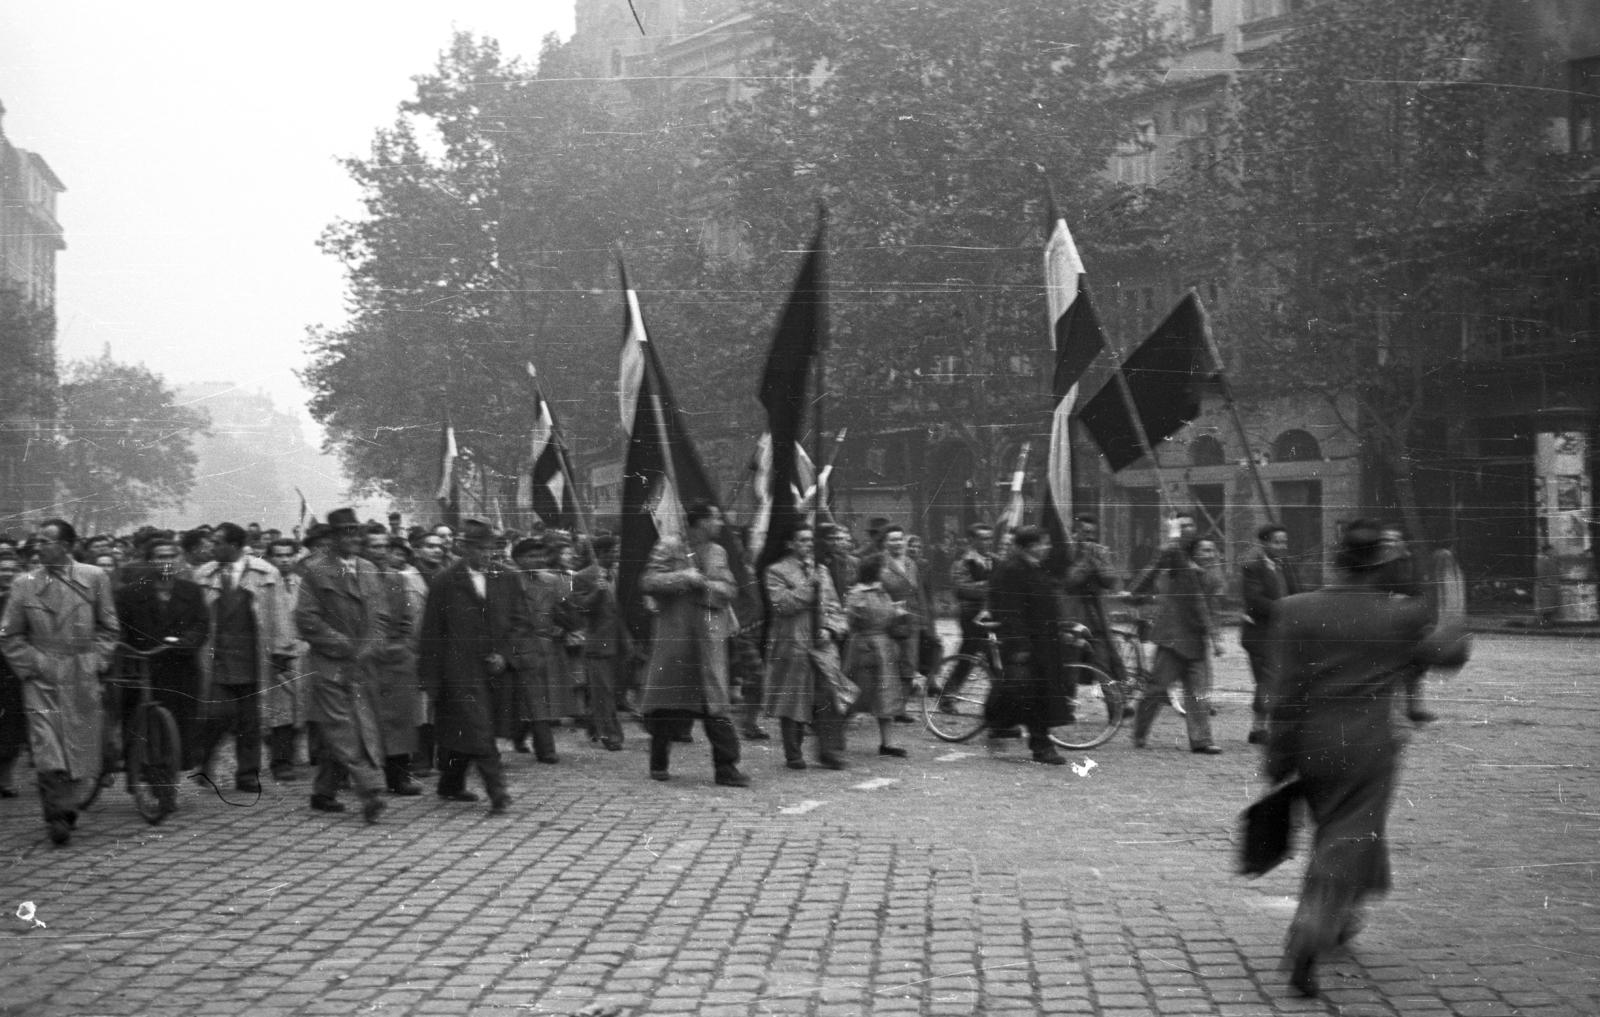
{"x":802,"y":488}
{"x":1078,"y":340}
{"x":1016,"y":508}
{"x":662,"y":472}
{"x":785,"y":393}
{"x":551,"y":488}
{"x":449,"y":493}
{"x":1164,"y":377}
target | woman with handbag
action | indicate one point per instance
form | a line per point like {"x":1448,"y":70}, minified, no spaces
{"x":873,"y":660}
{"x":805,"y":622}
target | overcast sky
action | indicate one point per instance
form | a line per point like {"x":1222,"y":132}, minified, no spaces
{"x":198,"y":143}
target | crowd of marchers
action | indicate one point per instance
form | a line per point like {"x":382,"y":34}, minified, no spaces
{"x":383,"y":658}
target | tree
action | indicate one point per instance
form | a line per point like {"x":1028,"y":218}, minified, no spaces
{"x":1384,"y":167}
{"x":125,"y":444}
{"x":472,"y":262}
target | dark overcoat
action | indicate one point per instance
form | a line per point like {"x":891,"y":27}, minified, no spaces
{"x":460,"y":630}
{"x":1032,"y":691}
{"x":1338,"y":655}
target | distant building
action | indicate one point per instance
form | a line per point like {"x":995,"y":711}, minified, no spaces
{"x":30,"y":237}
{"x":1506,"y":448}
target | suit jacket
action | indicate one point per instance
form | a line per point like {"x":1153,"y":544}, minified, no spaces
{"x":275,"y":633}
{"x":1264,"y":582}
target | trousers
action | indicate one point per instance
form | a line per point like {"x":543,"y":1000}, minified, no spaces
{"x":1195,"y":677}
{"x":720,"y":733}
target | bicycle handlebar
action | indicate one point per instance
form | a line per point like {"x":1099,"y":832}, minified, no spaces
{"x":133,"y":651}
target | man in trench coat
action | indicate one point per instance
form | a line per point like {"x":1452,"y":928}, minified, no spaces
{"x":343,"y":616}
{"x":693,"y":588}
{"x":476,"y":635}
{"x":59,"y":632}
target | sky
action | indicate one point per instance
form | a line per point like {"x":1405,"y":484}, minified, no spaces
{"x":199,"y":144}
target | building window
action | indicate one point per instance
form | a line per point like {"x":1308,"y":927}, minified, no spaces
{"x":1296,"y":446}
{"x":1585,"y":119}
{"x":1199,"y":21}
{"x":944,"y":371}
{"x":1258,"y":10}
{"x":1021,"y":364}
{"x":1134,"y":160}
{"x":1206,"y":450}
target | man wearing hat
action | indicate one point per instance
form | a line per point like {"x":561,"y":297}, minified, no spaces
{"x":343,"y":616}
{"x":475,"y":632}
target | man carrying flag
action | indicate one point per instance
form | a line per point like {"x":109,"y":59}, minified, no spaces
{"x":677,"y":557}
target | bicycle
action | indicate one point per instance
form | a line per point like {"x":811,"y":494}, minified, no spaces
{"x":1103,"y":701}
{"x":152,"y":752}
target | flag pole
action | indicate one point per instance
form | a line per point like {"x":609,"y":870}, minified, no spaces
{"x":1233,"y":411}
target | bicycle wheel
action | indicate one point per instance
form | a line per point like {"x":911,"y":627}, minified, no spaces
{"x":957,"y":716}
{"x":1133,"y":665}
{"x":1102,"y":706}
{"x":153,"y":762}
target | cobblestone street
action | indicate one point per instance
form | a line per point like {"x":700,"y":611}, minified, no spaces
{"x":957,"y":881}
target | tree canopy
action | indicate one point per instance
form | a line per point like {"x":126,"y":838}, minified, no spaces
{"x":125,"y":444}
{"x":929,"y":132}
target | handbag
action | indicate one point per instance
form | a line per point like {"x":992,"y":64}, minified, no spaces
{"x":825,"y":665}
{"x":1266,"y":830}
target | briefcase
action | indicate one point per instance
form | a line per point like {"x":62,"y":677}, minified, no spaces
{"x":1266,"y":830}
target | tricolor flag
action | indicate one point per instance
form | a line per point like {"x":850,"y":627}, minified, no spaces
{"x":802,"y":490}
{"x":785,"y":393}
{"x":662,"y":472}
{"x":449,"y":493}
{"x":1077,"y":339}
{"x":551,"y":489}
{"x":1164,"y":377}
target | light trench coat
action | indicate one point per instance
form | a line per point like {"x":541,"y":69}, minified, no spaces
{"x":58,"y":632}
{"x":286,"y":701}
{"x":793,"y":589}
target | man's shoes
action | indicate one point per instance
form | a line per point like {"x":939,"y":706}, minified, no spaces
{"x":250,"y":784}
{"x":903,"y":718}
{"x":1257,"y":738}
{"x":660,"y":775}
{"x":372,"y":807}
{"x":459,"y":796}
{"x":1000,"y":733}
{"x":550,"y":758}
{"x":893,"y":750}
{"x":326,"y":803}
{"x":1303,"y":975}
{"x":795,"y":764}
{"x":732,"y":778}
{"x":1050,"y":757}
{"x":832,"y":762}
{"x":498,"y":804}
{"x":1418,"y":715}
{"x":283,"y":774}
{"x":60,"y":831}
{"x":406,"y":789}
{"x":754,"y":734}
{"x":611,"y":744}
{"x":1206,"y":750}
